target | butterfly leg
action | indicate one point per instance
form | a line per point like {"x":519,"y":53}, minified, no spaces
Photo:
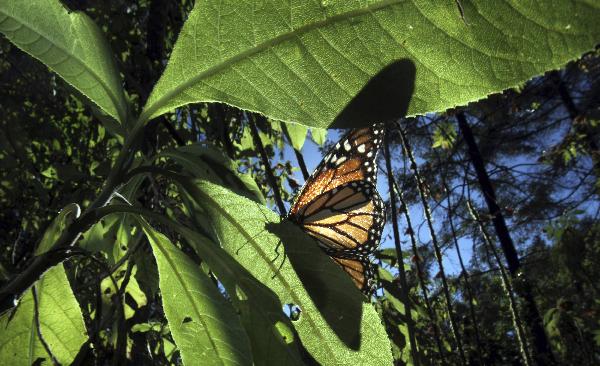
{"x":277,"y":256}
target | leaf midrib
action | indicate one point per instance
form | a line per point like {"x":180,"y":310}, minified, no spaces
{"x":152,"y":108}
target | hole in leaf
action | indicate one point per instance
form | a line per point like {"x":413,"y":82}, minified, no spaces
{"x":293,"y":311}
{"x":187,"y":319}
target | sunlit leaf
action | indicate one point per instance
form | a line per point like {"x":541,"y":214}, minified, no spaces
{"x":318,"y":135}
{"x":132,"y":290}
{"x":305,"y":61}
{"x":297,"y":135}
{"x":204,"y":325}
{"x":61,"y":324}
{"x":70,"y":44}
{"x":271,"y":333}
{"x":335,"y":324}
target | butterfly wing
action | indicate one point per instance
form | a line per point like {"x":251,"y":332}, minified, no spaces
{"x":360,"y":271}
{"x":340,"y":207}
{"x":347,"y":220}
{"x":351,"y":159}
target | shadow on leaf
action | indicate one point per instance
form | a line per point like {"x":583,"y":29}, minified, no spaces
{"x":332,"y":290}
{"x":385,"y":97}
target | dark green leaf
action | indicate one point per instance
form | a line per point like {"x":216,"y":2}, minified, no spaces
{"x":58,"y":225}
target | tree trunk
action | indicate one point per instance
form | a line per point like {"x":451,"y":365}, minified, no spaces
{"x":507,"y":286}
{"x":465,"y":275}
{"x":541,"y":345}
{"x":402,"y":275}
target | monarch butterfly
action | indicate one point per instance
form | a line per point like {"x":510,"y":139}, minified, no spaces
{"x":340,"y":207}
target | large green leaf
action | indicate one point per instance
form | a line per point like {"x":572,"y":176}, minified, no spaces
{"x":335,"y":325}
{"x":70,"y":44}
{"x":61,"y":324}
{"x":304,"y":61}
{"x":204,"y":325}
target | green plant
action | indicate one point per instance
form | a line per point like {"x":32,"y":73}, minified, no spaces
{"x":223,"y":264}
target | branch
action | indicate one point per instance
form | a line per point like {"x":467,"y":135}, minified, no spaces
{"x":268,"y":171}
{"x":438,"y":254}
{"x":299,"y":156}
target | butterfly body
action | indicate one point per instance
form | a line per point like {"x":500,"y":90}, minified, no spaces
{"x":340,"y":207}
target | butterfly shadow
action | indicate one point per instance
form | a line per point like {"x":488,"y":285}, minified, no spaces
{"x":329,"y":287}
{"x":385,"y":97}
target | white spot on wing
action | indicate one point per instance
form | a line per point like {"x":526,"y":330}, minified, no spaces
{"x":362,"y":148}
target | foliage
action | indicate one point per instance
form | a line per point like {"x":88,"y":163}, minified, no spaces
{"x":50,"y":309}
{"x":136,"y":218}
{"x":304,"y":63}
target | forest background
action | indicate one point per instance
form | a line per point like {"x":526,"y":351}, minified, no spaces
{"x":139,"y":207}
